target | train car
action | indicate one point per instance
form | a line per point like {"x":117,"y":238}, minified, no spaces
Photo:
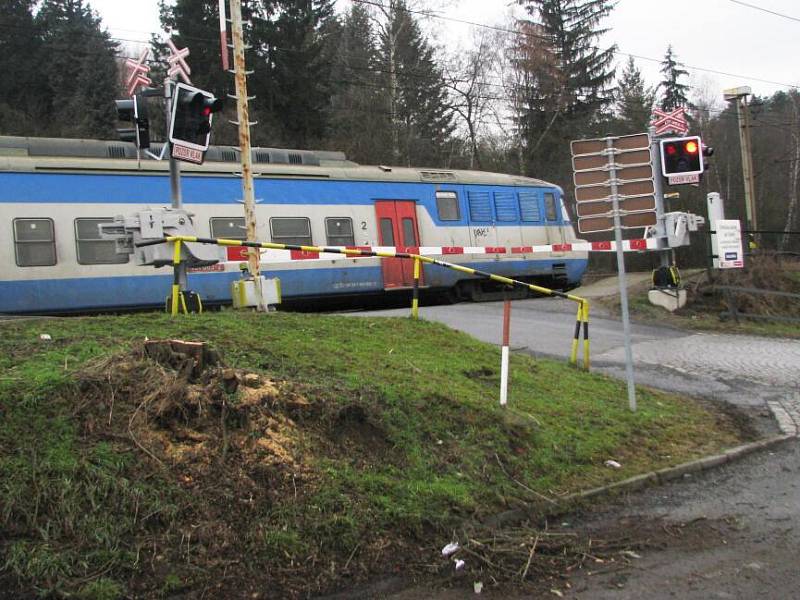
{"x":55,"y":192}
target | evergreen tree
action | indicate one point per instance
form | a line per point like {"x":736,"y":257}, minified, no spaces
{"x":194,"y":24}
{"x":358,"y":121}
{"x":421,"y":120}
{"x":78,"y":63}
{"x":635,"y":100}
{"x":674,"y":92}
{"x":568,"y":84}
{"x":21,"y":89}
{"x":59,"y":70}
{"x":298,"y":59}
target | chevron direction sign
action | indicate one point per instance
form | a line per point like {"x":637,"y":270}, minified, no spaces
{"x":629,"y":159}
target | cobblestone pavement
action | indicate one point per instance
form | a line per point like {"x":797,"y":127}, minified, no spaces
{"x":743,"y":370}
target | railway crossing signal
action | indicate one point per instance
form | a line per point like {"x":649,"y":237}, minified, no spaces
{"x":190,"y":124}
{"x":134,"y":110}
{"x":682,"y":159}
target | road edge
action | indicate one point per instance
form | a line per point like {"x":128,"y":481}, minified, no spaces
{"x":573,"y":501}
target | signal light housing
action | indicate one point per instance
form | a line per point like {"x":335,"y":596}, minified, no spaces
{"x":192,"y":113}
{"x":134,"y":110}
{"x":682,"y":156}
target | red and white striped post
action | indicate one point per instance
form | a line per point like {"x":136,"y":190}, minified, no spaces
{"x":504,"y":352}
{"x":223,"y":36}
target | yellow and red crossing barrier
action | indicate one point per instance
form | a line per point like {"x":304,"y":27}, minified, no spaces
{"x":352,"y":252}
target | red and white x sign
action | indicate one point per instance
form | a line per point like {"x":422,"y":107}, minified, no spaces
{"x":665,"y":121}
{"x":177,"y":63}
{"x":137,"y":74}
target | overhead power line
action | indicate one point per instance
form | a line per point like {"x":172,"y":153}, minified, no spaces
{"x":766,"y":10}
{"x":617,"y":52}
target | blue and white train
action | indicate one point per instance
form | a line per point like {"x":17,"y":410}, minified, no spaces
{"x":54,"y":193}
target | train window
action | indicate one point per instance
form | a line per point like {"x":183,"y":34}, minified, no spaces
{"x":550,"y":212}
{"x":339,"y":231}
{"x":447,"y":205}
{"x":529,"y":207}
{"x":387,"y":232}
{"x":291,"y":230}
{"x":230,"y":228}
{"x":505,"y":206}
{"x":409,"y":234}
{"x":480,"y":209}
{"x":91,"y":248}
{"x":34,"y":242}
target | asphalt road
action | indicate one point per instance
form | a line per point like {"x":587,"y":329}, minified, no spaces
{"x":754,"y":504}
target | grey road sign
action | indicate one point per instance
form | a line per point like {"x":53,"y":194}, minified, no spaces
{"x":627,"y":168}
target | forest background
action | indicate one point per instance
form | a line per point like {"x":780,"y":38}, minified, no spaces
{"x":370,"y":82}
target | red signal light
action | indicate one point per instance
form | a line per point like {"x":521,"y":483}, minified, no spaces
{"x":691,"y":147}
{"x":206,"y":111}
{"x":671,"y":149}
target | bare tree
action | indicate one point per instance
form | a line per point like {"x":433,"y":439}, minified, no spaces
{"x":472,"y":93}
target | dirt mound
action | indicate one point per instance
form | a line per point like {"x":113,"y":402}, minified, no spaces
{"x":190,"y":413}
{"x":242,"y":445}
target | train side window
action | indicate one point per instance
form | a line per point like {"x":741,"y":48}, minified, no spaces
{"x":447,"y":206}
{"x":529,"y":207}
{"x":550,"y":212}
{"x":387,"y":232}
{"x":339,"y":231}
{"x":409,"y":235}
{"x":291,"y":230}
{"x":229,"y":228}
{"x":91,"y":248}
{"x":34,"y":242}
{"x":505,"y":206}
{"x":480,"y":208}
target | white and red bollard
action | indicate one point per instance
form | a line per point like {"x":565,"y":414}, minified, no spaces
{"x":504,"y":355}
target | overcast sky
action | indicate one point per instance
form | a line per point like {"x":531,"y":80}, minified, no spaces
{"x":754,"y":47}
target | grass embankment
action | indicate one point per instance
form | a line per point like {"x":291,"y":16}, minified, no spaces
{"x":358,"y":449}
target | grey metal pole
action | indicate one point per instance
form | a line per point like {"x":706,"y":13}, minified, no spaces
{"x":623,"y":286}
{"x":243,"y":116}
{"x":174,"y":176}
{"x":174,"y":165}
{"x":658,"y":186}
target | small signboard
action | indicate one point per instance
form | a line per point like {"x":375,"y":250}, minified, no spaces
{"x":688,"y":178}
{"x":187,"y":154}
{"x":726,"y":244}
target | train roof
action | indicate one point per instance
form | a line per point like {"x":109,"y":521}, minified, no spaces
{"x":69,"y":155}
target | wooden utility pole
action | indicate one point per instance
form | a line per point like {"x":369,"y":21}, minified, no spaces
{"x":243,"y":116}
{"x":739,"y":95}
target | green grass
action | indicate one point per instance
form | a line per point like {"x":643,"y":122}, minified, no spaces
{"x":84,"y":511}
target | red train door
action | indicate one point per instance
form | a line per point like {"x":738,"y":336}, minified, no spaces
{"x":397,"y":226}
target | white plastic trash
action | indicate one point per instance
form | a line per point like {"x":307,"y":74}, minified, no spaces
{"x":451,"y":548}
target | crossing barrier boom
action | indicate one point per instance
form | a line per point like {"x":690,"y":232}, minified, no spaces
{"x":582,"y":320}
